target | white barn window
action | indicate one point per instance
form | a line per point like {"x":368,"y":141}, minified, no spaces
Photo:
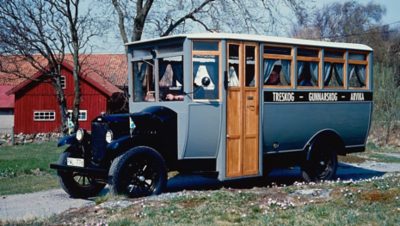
{"x":63,"y":82}
{"x":44,"y":115}
{"x":82,"y":115}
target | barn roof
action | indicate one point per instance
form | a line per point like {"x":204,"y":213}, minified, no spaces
{"x":6,"y":101}
{"x":106,"y":72}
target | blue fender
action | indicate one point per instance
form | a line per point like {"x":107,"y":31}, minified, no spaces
{"x":67,"y":140}
{"x":328,"y":137}
{"x":121,"y":145}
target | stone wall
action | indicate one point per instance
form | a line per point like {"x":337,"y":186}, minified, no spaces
{"x":5,"y":138}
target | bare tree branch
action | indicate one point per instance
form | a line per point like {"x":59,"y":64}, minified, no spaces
{"x":189,"y":15}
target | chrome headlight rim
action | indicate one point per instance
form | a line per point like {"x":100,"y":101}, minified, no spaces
{"x":109,"y":136}
{"x":80,"y":134}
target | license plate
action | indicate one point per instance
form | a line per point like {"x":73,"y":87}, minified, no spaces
{"x":75,"y":162}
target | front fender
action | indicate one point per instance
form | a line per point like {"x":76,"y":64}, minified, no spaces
{"x":120,"y":145}
{"x":67,"y":140}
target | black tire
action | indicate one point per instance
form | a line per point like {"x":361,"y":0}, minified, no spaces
{"x":139,"y":172}
{"x":322,"y":164}
{"x":77,"y":186}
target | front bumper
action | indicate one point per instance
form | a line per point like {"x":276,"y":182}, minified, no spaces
{"x":86,"y":171}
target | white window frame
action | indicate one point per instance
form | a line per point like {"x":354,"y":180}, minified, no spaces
{"x":83,"y":112}
{"x":63,"y":82}
{"x":39,"y":115}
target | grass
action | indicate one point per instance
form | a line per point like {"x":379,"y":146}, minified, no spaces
{"x":372,"y":147}
{"x":385,"y":158}
{"x":371,"y":202}
{"x":25,"y":168}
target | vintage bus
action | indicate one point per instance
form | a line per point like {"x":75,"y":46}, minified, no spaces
{"x":233,"y":104}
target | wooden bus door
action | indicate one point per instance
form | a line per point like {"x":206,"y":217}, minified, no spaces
{"x":242,"y":112}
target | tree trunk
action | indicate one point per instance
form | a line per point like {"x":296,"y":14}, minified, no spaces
{"x":62,"y":102}
{"x":77,"y":90}
{"x":388,"y":130}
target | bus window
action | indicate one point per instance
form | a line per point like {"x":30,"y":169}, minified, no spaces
{"x":277,"y":72}
{"x":357,"y":70}
{"x":250,"y":66}
{"x":277,"y":65}
{"x":334,"y":54}
{"x":357,"y":76}
{"x":307,"y":73}
{"x":205,"y":76}
{"x":357,"y":56}
{"x":333,"y":74}
{"x":205,"y":45}
{"x":233,"y":61}
{"x":171,"y":78}
{"x":143,"y":81}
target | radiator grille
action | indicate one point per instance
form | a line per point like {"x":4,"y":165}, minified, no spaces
{"x":98,"y":142}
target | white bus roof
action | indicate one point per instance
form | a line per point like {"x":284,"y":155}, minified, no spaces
{"x":262,"y":38}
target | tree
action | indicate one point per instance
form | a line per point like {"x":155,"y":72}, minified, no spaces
{"x":344,"y":21}
{"x":386,"y":100}
{"x":162,"y":18}
{"x":41,"y":32}
{"x":347,"y":22}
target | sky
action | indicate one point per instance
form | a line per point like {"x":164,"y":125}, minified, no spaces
{"x":111,"y":43}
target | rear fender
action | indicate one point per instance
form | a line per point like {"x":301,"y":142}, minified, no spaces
{"x":325,"y":137}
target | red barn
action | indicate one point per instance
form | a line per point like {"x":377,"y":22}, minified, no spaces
{"x":36,"y":109}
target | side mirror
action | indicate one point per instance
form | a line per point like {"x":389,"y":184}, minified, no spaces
{"x":205,"y":81}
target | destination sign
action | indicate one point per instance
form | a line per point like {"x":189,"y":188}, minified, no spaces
{"x":288,"y":96}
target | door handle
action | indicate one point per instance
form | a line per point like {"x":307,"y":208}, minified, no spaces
{"x":226,"y":80}
{"x":251,"y":107}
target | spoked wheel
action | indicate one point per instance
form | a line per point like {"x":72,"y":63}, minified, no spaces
{"x":76,"y":185}
{"x":321,"y":166}
{"x":139,"y":172}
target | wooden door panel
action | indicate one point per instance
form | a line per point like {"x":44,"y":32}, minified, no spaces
{"x":242,"y":114}
{"x":233,"y":133}
{"x":251,"y":112}
{"x":250,"y":157}
{"x":233,"y":115}
{"x":233,"y":156}
{"x":250,"y":151}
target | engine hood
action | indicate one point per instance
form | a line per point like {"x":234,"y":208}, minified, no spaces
{"x":147,"y":118}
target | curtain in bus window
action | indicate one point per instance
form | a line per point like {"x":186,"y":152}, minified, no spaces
{"x":314,"y":71}
{"x":286,"y":69}
{"x":233,"y":78}
{"x":327,"y":73}
{"x":141,"y":75}
{"x":339,"y":73}
{"x":174,"y":68}
{"x":139,"y":80}
{"x":268,"y":67}
{"x":359,"y":72}
{"x":178,"y":74}
{"x":300,"y":67}
{"x":167,"y":78}
{"x":202,"y":73}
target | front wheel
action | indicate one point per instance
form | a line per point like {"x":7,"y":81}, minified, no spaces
{"x":140,"y":171}
{"x":76,"y":185}
{"x":322,"y":165}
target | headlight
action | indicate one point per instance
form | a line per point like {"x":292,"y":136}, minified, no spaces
{"x":109,"y":136}
{"x":80,"y":134}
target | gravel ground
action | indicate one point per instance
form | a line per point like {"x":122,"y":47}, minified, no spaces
{"x":46,"y":203}
{"x":37,"y":205}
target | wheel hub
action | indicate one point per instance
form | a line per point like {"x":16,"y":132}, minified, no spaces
{"x":141,"y":178}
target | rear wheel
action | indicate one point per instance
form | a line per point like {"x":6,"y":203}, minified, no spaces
{"x":321,"y":165}
{"x":75,"y":184}
{"x":139,"y":172}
